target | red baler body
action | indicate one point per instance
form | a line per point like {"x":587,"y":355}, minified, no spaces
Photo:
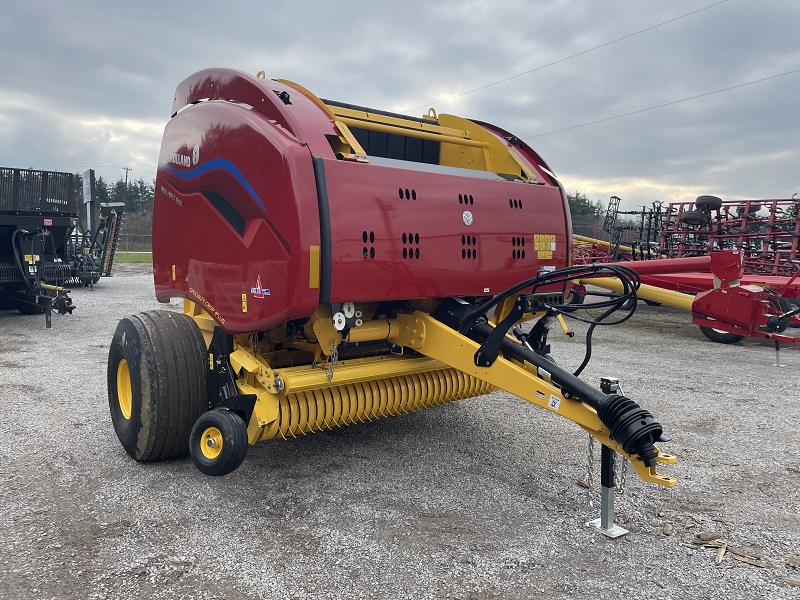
{"x":259,"y":221}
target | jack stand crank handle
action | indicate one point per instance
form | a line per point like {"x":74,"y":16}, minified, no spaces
{"x":605,"y":524}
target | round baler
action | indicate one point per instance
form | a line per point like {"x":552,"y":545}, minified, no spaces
{"x":341,"y":264}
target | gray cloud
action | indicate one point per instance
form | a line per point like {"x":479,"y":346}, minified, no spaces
{"x":90,"y":83}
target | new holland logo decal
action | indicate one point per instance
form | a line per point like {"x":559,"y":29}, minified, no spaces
{"x":258,"y":291}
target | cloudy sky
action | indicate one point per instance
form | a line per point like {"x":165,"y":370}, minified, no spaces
{"x":89,"y":84}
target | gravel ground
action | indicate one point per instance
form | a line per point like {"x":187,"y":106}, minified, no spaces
{"x":477,"y":499}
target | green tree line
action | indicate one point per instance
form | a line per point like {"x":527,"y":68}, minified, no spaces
{"x":137,"y":194}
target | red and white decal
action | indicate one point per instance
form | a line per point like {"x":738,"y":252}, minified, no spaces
{"x":258,"y":291}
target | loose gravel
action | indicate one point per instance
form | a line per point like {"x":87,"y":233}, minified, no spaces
{"x":478,"y":499}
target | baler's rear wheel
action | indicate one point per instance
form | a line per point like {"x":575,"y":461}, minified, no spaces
{"x":218,"y":442}
{"x":156,"y":383}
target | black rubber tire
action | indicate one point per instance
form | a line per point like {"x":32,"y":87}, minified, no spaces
{"x":707,"y":203}
{"x":792,"y":306}
{"x":90,"y":280}
{"x":780,"y":306}
{"x":165,"y":357}
{"x":27,"y":308}
{"x":231,"y":440}
{"x":573,"y":302}
{"x":694,"y":217}
{"x":721,"y":337}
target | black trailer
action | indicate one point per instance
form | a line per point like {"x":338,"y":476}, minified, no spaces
{"x":42,"y":247}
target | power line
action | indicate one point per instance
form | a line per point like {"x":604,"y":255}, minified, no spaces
{"x":625,"y":37}
{"x":636,"y":112}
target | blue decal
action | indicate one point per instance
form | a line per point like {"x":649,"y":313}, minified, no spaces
{"x":218,"y":163}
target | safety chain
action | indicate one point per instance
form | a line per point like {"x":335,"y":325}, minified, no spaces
{"x":590,"y":476}
{"x":620,"y":470}
{"x":332,"y":361}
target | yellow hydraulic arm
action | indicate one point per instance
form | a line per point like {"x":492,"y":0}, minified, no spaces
{"x":432,"y":338}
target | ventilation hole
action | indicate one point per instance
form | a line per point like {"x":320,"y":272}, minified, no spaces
{"x":416,"y":252}
{"x":475,"y":253}
{"x":469,"y":253}
{"x":364,"y":237}
{"x":404,"y":238}
{"x":416,"y":238}
{"x":471,"y":201}
{"x":371,"y":237}
{"x":413,"y":194}
{"x":372,"y":252}
{"x":460,"y":199}
{"x":408,"y":194}
{"x":469,"y":241}
{"x":463,"y":240}
{"x":463,"y":253}
{"x":523,"y":242}
{"x":523,"y":254}
{"x":366,"y":252}
{"x":520,"y":203}
{"x":474,"y":241}
{"x":405,"y":252}
{"x":513,"y":241}
{"x":400,"y":193}
{"x":515,"y":203}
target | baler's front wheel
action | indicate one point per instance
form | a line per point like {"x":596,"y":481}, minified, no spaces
{"x":156,"y":383}
{"x":218,"y":442}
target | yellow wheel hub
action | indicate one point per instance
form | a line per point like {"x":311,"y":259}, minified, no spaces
{"x":211,"y":443}
{"x":124,"y":391}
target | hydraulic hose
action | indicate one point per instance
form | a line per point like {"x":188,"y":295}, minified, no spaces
{"x":631,"y":425}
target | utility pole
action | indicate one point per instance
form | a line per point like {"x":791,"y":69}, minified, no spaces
{"x":127,"y":170}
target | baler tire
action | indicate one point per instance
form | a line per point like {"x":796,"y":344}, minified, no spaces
{"x":156,"y":383}
{"x":708,"y":203}
{"x":721,"y":337}
{"x":218,"y":442}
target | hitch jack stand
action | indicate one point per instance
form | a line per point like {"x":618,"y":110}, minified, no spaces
{"x":605,"y":524}
{"x":778,"y":355}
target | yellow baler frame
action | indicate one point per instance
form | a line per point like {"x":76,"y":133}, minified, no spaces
{"x":289,"y":400}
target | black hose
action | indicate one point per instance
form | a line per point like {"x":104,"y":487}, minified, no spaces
{"x":16,"y":248}
{"x":628,"y":278}
{"x":629,"y":424}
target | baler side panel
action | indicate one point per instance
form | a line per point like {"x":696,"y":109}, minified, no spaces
{"x":388,"y":246}
{"x":236,"y":222}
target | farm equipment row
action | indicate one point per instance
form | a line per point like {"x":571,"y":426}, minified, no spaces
{"x":748,"y":289}
{"x":340,"y":264}
{"x":42,"y":246}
